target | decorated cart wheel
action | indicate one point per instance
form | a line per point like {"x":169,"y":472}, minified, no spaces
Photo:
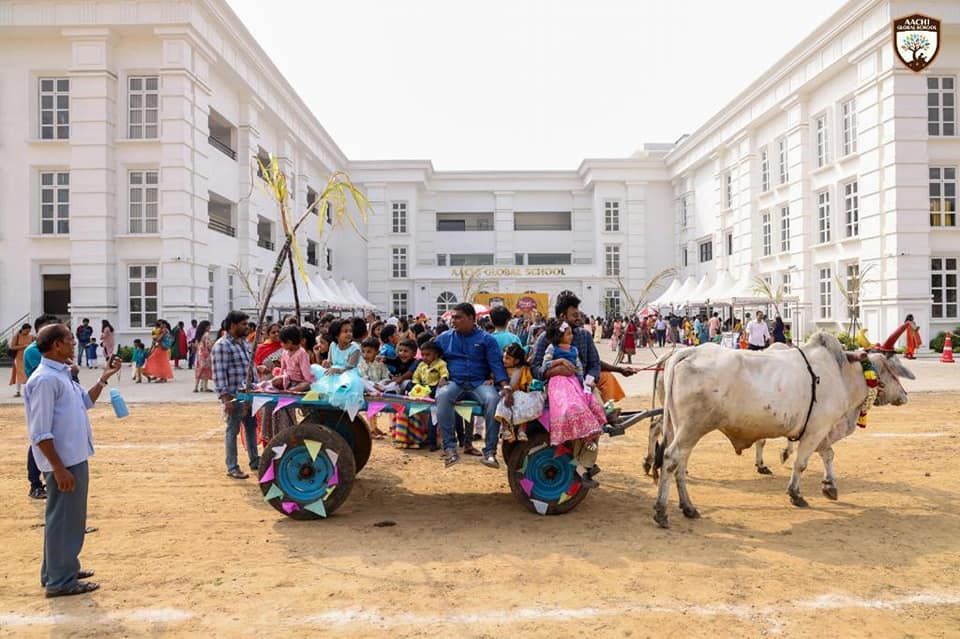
{"x":355,"y":432}
{"x":306,"y":472}
{"x":544,"y":477}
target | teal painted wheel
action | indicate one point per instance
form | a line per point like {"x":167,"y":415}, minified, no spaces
{"x":355,"y":432}
{"x":307,"y":471}
{"x":543,"y":481}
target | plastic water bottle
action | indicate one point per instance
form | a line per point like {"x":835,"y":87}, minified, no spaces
{"x":119,"y":406}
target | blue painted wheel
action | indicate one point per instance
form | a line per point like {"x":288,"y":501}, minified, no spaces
{"x":307,"y":471}
{"x":543,"y":481}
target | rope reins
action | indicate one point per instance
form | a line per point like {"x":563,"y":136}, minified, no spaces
{"x":814,"y":380}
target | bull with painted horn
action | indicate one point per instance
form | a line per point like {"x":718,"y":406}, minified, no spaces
{"x":812,"y":395}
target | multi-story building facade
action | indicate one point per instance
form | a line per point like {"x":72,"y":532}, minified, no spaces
{"x":130,"y":190}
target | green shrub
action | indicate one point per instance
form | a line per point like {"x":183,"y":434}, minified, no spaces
{"x":846,"y":341}
{"x":936,"y":343}
{"x":125,"y":353}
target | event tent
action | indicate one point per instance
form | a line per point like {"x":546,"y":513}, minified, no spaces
{"x":665,"y":296}
{"x":698,"y":296}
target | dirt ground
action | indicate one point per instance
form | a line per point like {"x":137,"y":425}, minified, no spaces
{"x":182,"y":550}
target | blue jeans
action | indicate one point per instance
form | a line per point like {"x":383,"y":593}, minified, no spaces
{"x":488,"y":396}
{"x":240,"y":414}
{"x":63,"y":532}
{"x":81,"y":349}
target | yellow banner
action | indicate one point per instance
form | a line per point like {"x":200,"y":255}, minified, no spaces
{"x":516,"y":302}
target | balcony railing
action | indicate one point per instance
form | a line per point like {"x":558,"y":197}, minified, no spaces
{"x":223,"y":148}
{"x":265,"y":243}
{"x":221,"y":227}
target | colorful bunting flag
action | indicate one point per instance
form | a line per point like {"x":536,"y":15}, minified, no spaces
{"x":527,"y":486}
{"x":289,"y":506}
{"x":273,"y":493}
{"x":258,"y":403}
{"x":333,"y":457}
{"x":375,"y":407}
{"x":465,"y":412}
{"x":540,"y":506}
{"x":317,"y":507}
{"x":416,"y":409}
{"x":312,"y":447}
{"x":278,"y":451}
{"x":267,"y":475}
{"x":311,"y":396}
{"x":283,"y":402}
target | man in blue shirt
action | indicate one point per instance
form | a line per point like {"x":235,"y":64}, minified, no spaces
{"x":62,"y":441}
{"x":31,"y":360}
{"x":473,"y":359}
{"x":84,"y":333}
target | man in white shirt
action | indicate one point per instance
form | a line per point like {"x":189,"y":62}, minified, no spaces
{"x":758,"y":335}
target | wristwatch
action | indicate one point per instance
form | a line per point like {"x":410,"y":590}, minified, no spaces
{"x":101,"y":382}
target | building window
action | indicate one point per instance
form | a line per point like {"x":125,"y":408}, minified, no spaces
{"x":853,"y":286}
{"x":727,"y":190}
{"x":941,"y":105}
{"x":823,"y":216}
{"x":54,"y":203}
{"x":612,"y":261}
{"x":848,"y":111}
{"x":143,"y":101}
{"x":471,"y":259}
{"x":211,"y":275}
{"x":611,"y":216}
{"x":683,"y":212}
{"x":330,"y":261}
{"x":312,"y":203}
{"x":766,"y":233}
{"x":782,"y":166}
{"x":826,"y":294}
{"x":445,"y":302}
{"x":441,"y":259}
{"x":786,"y":292}
{"x":943,"y":196}
{"x":519,"y":259}
{"x":399,"y":217}
{"x":142,"y":295}
{"x":612,"y":306}
{"x":473,"y":221}
{"x":398,"y":306}
{"x":231,"y":298}
{"x":729,"y":242}
{"x":706,"y":251}
{"x":54,"y":108}
{"x":313,"y":258}
{"x":541,"y":221}
{"x":551,"y":259}
{"x":144,"y":199}
{"x":329,"y":213}
{"x":684,"y":256}
{"x":764,"y":170}
{"x":399,"y":261}
{"x":784,"y":228}
{"x":851,"y":209}
{"x":943,"y":284}
{"x":820,"y":132}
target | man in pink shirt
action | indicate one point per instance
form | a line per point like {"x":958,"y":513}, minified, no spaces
{"x":714,"y":325}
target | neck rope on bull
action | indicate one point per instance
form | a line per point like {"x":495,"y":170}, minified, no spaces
{"x":873,"y":389}
{"x":814,"y":380}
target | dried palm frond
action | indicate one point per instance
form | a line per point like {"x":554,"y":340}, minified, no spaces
{"x":763,"y":288}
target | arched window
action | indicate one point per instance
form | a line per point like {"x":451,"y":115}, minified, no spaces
{"x":445,"y":302}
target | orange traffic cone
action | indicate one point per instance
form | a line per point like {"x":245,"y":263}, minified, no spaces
{"x":947,"y":356}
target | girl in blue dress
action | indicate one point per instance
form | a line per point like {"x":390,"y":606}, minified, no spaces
{"x":338,"y":379}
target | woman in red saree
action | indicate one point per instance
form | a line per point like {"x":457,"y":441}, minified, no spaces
{"x":266,"y":358}
{"x":913,"y":337}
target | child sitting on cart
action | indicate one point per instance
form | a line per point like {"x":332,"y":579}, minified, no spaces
{"x":373,"y":372}
{"x":523,"y":405}
{"x":575,"y":413}
{"x":430,"y":374}
{"x":407,"y":365}
{"x":294,"y":374}
{"x":338,"y":378}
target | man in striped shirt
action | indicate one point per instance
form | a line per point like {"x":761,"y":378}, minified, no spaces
{"x":231,"y":361}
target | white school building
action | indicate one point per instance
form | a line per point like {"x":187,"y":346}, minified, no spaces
{"x":130,"y":191}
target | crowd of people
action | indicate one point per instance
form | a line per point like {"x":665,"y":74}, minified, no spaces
{"x":628,"y":334}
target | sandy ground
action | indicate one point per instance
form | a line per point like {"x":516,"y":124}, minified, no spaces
{"x":184,"y":551}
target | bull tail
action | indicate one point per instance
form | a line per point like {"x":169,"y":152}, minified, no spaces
{"x":668,"y":419}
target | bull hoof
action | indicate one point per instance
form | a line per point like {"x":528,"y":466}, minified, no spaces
{"x":690,"y":512}
{"x":647,"y":466}
{"x":764,"y":470}
{"x":784,"y":455}
{"x":660,"y":516}
{"x":797,"y":500}
{"x":829,"y":491}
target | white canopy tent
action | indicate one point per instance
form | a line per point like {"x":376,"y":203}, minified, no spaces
{"x":354,"y":294}
{"x":719,"y":293}
{"x":698,"y":296}
{"x":311,"y":297}
{"x":664,"y":298}
{"x":679,"y":296}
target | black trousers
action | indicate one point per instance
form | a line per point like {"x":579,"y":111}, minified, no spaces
{"x":33,"y":473}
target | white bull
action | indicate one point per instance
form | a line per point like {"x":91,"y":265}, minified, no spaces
{"x":755,"y":395}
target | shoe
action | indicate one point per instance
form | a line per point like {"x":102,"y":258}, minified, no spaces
{"x":17,"y":394}
{"x":237,"y":474}
{"x":38,"y":493}
{"x":255,"y":465}
{"x":450,"y":458}
{"x":593,"y":471}
{"x":85,"y":574}
{"x":589,"y":482}
{"x":473,"y":452}
{"x":490,"y":462}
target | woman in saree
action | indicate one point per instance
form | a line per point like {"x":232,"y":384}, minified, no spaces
{"x":19,"y":343}
{"x":913,"y":337}
{"x":203,"y":367}
{"x":157,"y":367}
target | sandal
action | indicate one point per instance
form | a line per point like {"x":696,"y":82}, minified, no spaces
{"x":473,"y":452}
{"x":237,"y":474}
{"x":76,"y":589}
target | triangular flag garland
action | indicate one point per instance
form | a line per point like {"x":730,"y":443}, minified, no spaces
{"x":311,"y":396}
{"x":560,"y":451}
{"x":352,"y":411}
{"x":333,"y":457}
{"x":290,"y":506}
{"x":273,"y":493}
{"x":329,"y":492}
{"x":418,"y":408}
{"x":398,"y":408}
{"x":334,"y":478}
{"x":527,"y":486}
{"x":317,"y":507}
{"x":540,"y":506}
{"x":564,"y":497}
{"x":375,"y":407}
{"x":267,"y":475}
{"x":258,"y":403}
{"x":545,"y":419}
{"x":278,"y":451}
{"x":574,"y":489}
{"x":465,"y":412}
{"x":433,"y":414}
{"x":283,"y":402}
{"x":312,"y":447}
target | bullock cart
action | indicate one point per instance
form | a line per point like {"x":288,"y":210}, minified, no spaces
{"x":308,"y":470}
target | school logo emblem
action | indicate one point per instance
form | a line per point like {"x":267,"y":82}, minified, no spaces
{"x":916,"y":40}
